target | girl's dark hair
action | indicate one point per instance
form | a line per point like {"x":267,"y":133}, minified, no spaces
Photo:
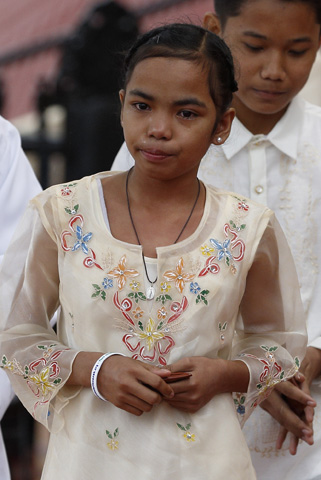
{"x":192,"y":43}
{"x":232,"y":8}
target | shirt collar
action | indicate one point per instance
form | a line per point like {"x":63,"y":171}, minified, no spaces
{"x":284,"y":136}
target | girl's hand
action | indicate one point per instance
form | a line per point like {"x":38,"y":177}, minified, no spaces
{"x":132,"y":385}
{"x":292,"y":405}
{"x":209,"y":378}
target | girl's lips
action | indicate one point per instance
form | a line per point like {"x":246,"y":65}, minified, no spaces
{"x":155,"y":155}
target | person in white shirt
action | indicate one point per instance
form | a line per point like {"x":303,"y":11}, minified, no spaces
{"x":273,"y":155}
{"x":312,"y":89}
{"x":18,"y":184}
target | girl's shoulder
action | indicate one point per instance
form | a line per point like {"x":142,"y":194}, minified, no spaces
{"x":236,"y":200}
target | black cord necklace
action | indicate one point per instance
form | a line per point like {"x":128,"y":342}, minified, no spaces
{"x":151,"y":289}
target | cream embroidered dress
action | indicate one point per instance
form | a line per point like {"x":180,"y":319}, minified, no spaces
{"x":233,"y":280}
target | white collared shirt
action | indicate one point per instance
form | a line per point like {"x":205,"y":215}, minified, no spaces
{"x":18,"y":184}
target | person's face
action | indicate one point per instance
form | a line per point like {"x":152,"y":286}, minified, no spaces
{"x":168,"y":117}
{"x":274,"y":44}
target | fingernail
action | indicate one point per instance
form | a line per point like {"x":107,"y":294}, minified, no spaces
{"x":311,"y":403}
{"x":308,"y":433}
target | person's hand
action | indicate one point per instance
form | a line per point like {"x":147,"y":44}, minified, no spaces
{"x":132,"y":385}
{"x":292,"y":406}
{"x":209,"y":377}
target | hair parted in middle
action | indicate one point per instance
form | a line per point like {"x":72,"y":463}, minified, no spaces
{"x":192,"y":43}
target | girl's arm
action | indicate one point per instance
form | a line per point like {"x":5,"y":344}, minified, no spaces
{"x":129,"y":384}
{"x":270,"y":335}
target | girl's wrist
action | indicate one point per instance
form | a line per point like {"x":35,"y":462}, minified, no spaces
{"x":235,"y":376}
{"x":82,"y":368}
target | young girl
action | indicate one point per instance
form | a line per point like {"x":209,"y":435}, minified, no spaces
{"x":273,"y":156}
{"x":161,"y":272}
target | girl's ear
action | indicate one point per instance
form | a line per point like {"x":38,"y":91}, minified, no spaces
{"x":121,"y":98}
{"x":223,"y":128}
{"x":212,"y":23}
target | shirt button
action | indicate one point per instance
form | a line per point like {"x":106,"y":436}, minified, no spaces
{"x":259,"y":189}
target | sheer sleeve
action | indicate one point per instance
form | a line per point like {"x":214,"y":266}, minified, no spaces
{"x":270,"y":332}
{"x":37,"y":363}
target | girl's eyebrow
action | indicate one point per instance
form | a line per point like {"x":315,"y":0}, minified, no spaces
{"x":140,"y":93}
{"x":250,"y":33}
{"x":178,"y":103}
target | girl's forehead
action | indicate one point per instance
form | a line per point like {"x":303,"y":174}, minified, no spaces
{"x":168,"y":69}
{"x":169,"y":78}
{"x":274,"y":18}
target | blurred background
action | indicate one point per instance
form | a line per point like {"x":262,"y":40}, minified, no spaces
{"x":59,"y":80}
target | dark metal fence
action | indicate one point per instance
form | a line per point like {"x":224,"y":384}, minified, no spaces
{"x":86,"y":111}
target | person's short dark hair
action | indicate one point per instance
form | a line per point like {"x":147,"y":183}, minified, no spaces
{"x":232,"y":8}
{"x":192,"y":43}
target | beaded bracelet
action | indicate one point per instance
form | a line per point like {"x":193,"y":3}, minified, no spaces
{"x":95,"y":371}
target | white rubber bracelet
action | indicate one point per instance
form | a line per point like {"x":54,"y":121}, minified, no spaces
{"x":95,"y":371}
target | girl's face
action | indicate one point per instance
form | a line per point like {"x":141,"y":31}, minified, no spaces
{"x":274,"y":44}
{"x":168,"y":117}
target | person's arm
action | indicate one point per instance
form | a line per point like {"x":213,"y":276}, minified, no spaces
{"x":18,"y":183}
{"x":292,"y":405}
{"x":271,"y":335}
{"x":129,"y":384}
{"x":37,"y":363}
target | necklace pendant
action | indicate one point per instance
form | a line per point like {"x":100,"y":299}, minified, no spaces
{"x":150,"y":293}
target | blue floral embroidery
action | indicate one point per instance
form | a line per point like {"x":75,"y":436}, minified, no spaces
{"x":82,"y":240}
{"x":222,"y":248}
{"x":108,"y":283}
{"x":195,"y":288}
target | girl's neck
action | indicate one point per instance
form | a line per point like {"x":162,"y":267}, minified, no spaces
{"x":256,"y":123}
{"x":153,"y":191}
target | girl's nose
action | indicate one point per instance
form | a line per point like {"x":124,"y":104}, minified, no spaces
{"x":273,"y":68}
{"x":160,"y":127}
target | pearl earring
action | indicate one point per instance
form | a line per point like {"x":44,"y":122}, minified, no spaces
{"x":219,"y":140}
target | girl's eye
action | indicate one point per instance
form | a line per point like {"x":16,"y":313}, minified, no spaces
{"x":141,"y":106}
{"x":187,"y":114}
{"x":253,"y":48}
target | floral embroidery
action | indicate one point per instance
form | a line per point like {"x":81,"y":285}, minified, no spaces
{"x":136,"y":295}
{"x":189,"y":437}
{"x":107,"y":283}
{"x":222,"y":329}
{"x":201,"y":297}
{"x":225,"y":249}
{"x":162,"y":313}
{"x":73,"y":210}
{"x":153,"y":340}
{"x":134,"y":285}
{"x":99,"y":292}
{"x":207,"y":251}
{"x":237,"y":228}
{"x":41,"y":375}
{"x":194,"y":288}
{"x":150,"y":335}
{"x":243,"y":206}
{"x":201,"y":294}
{"x":178,"y":276}
{"x":163,"y":297}
{"x":82,"y":240}
{"x":138,"y":312}
{"x":239,"y":401}
{"x":272,"y":373}
{"x":210,"y":267}
{"x":113,"y":444}
{"x":121,"y":273}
